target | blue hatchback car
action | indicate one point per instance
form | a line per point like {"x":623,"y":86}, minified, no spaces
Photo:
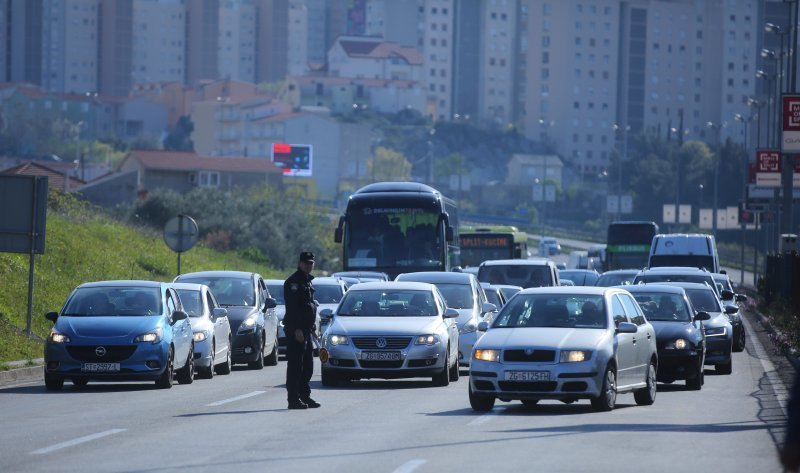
{"x":119,"y":331}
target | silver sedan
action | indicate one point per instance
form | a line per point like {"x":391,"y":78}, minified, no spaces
{"x":565,"y":343}
{"x":390,"y":330}
{"x":210,"y":329}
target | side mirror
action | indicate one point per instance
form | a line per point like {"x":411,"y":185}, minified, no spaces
{"x":488,"y":307}
{"x":483,"y":326}
{"x":700,"y":316}
{"x":726,"y":295}
{"x":51,"y":316}
{"x":326,"y":314}
{"x":741,"y":298}
{"x":270,"y":303}
{"x":219,"y":312}
{"x":449,"y":233}
{"x":179,"y":315}
{"x":627,"y":327}
{"x":450,"y":313}
{"x":337,"y":235}
{"x":731,"y":309}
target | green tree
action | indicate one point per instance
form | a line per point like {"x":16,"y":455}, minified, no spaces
{"x":389,"y":165}
{"x":180,"y":139}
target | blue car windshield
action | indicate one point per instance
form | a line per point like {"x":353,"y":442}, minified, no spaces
{"x":114,"y":301}
{"x":553,"y":310}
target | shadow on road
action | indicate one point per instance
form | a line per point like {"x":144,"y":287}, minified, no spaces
{"x":722,"y":427}
{"x":374,"y":384}
{"x":224,"y":413}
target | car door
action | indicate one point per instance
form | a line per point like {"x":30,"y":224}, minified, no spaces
{"x":451,"y":326}
{"x":626,"y":350}
{"x":181,"y":331}
{"x":222,"y":328}
{"x":643,"y":340}
{"x":270,"y":319}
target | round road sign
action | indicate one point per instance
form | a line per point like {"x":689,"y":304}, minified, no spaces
{"x":180,"y":233}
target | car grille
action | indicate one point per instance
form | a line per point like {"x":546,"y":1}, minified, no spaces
{"x":381,"y":364}
{"x":537,"y":355}
{"x":392,"y":343}
{"x":114,"y":353}
{"x":533,"y":386}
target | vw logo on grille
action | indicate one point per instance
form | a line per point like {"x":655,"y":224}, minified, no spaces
{"x":380,"y":343}
{"x":100,"y":351}
{"x":529,"y":351}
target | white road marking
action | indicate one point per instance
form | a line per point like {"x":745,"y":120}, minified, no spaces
{"x":77,"y":441}
{"x":781,"y":393}
{"x":484,"y":418}
{"x":234,"y":399}
{"x":410,"y":466}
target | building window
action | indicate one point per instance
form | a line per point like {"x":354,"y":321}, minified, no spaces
{"x":208,"y":179}
{"x":545,"y":58}
{"x":545,"y":41}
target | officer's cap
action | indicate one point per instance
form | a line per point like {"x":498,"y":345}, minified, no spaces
{"x":307,"y":256}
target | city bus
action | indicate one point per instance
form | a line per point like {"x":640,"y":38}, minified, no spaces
{"x":398,"y":227}
{"x":628,"y":244}
{"x":479,"y":244}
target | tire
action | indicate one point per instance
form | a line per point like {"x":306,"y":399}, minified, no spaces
{"x":454,"y":372}
{"x":608,"y":393}
{"x":225,"y":368}
{"x":443,"y":378}
{"x":696,"y":383}
{"x":80,"y":382}
{"x":530,"y":402}
{"x":186,"y":374}
{"x":165,"y":380}
{"x":480,"y":403}
{"x":739,"y":343}
{"x":647,"y":395}
{"x":329,"y":379}
{"x":724,"y":368}
{"x":53,"y":382}
{"x":259,"y":363}
{"x":272,"y":358}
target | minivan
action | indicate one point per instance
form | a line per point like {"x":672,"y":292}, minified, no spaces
{"x":680,"y":249}
{"x":534,"y":272}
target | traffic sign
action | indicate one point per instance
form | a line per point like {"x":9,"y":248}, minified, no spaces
{"x":180,"y":233}
{"x":790,"y":140}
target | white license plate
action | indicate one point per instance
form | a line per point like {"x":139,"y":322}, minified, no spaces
{"x":527,"y":376}
{"x":380,"y":355}
{"x":100,"y":367}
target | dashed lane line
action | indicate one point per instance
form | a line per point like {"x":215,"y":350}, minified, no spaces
{"x":77,"y":441}
{"x":234,"y":399}
{"x":410,"y":466}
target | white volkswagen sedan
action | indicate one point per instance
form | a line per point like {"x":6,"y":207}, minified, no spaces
{"x":390,"y":330}
{"x":565,"y":343}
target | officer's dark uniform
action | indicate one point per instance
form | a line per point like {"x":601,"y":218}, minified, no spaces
{"x":301,"y":313}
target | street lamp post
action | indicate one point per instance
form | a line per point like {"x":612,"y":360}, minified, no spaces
{"x":745,"y":123}
{"x":717,"y":127}
{"x":625,"y":129}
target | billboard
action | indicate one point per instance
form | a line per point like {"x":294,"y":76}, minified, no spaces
{"x":790,"y":140}
{"x":292,"y":160}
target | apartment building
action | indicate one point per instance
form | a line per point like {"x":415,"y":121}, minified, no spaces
{"x":498,"y":54}
{"x":437,"y":50}
{"x":70,"y":45}
{"x":5,"y":40}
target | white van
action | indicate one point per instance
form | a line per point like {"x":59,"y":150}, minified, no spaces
{"x":694,"y":250}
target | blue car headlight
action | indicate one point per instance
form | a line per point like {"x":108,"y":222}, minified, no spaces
{"x":57,"y":337}
{"x":153,"y":336}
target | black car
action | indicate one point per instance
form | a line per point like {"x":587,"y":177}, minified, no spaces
{"x":617,"y":277}
{"x":251,"y":314}
{"x":580,"y":277}
{"x":680,"y":339}
{"x":731,"y":299}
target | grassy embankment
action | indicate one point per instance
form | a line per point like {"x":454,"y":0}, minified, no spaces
{"x":83,"y":246}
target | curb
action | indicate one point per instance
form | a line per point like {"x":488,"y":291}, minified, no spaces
{"x":21,"y":374}
{"x":795,"y":362}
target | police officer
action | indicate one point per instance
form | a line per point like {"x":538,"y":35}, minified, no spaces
{"x":298,"y":323}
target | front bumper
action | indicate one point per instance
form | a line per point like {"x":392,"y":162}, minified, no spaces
{"x":415,"y":361}
{"x":465,"y":344}
{"x":566,"y":381}
{"x":718,"y":350}
{"x":141,"y":361}
{"x":245,"y":347}
{"x":678,"y":364}
{"x":202,"y":354}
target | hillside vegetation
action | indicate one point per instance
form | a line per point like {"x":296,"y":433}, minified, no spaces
{"x":84,"y":245}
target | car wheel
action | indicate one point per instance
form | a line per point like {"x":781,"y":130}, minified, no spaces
{"x":329,"y":379}
{"x":259,"y":363}
{"x":530,"y":402}
{"x":165,"y":380}
{"x":80,"y":382}
{"x":724,"y":368}
{"x":443,"y":378}
{"x":225,"y":368}
{"x":53,"y":382}
{"x":272,"y":359}
{"x":608,"y":393}
{"x":738,"y":345}
{"x":186,"y":374}
{"x":647,"y":395}
{"x":479,"y":402}
{"x":454,"y":372}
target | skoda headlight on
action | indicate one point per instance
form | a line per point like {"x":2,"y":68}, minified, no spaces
{"x":200,"y":336}
{"x":486,"y":355}
{"x":575,"y":356}
{"x":338,"y":340}
{"x":468,"y":327}
{"x":57,"y":337}
{"x":149,"y":337}
{"x":716,"y":332}
{"x":427,"y":340}
{"x":679,"y":344}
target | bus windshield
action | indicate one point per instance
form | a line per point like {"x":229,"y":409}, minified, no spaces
{"x":628,"y":245}
{"x":381,"y":237}
{"x":479,"y":247}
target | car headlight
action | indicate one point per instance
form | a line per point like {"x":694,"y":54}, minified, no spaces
{"x":248,"y":325}
{"x":149,"y":337}
{"x":338,"y":340}
{"x":679,"y":344}
{"x":200,"y":336}
{"x":716,"y":331}
{"x":468,"y":327}
{"x":486,"y":355}
{"x":427,"y":340}
{"x":57,"y":337}
{"x":574,"y":356}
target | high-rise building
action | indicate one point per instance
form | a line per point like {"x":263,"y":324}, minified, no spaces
{"x":398,"y":22}
{"x":202,"y":38}
{"x":25,"y":41}
{"x":466,"y":58}
{"x":5,"y":40}
{"x":437,"y":50}
{"x":272,"y":32}
{"x":498,"y":54}
{"x":237,"y":40}
{"x":70,"y":45}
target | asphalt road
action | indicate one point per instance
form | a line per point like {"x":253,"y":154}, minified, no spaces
{"x":240,"y":422}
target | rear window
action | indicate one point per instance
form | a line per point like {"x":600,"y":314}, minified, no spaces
{"x":689,"y":261}
{"x":517,"y":275}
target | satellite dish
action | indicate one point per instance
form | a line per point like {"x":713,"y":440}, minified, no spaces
{"x":181,"y":233}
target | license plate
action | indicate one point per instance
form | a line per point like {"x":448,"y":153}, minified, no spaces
{"x":100,"y":367}
{"x":380,"y":355}
{"x":527,"y":376}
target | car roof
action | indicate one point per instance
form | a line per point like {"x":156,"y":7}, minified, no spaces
{"x":124,"y":283}
{"x":188,"y":286}
{"x":274,"y":281}
{"x":218,"y":274}
{"x":508,"y":286}
{"x":517,"y":262}
{"x":665,"y":288}
{"x":622,"y":271}
{"x":437,"y":277}
{"x":566,"y":271}
{"x":588,"y":290}
{"x":692,"y":285}
{"x":392,"y":285}
{"x":674,"y":270}
{"x":327,"y":281}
